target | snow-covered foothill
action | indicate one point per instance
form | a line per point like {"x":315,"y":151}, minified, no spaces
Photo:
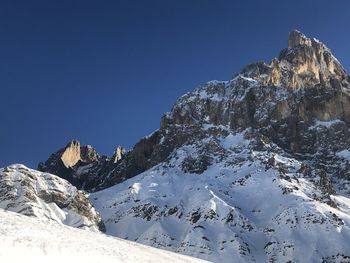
{"x":47,"y":197}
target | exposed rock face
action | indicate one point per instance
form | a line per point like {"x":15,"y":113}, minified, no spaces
{"x":88,"y":154}
{"x":305,"y":63}
{"x":118,"y":154}
{"x":71,"y":154}
{"x":81,"y":165}
{"x":47,"y":197}
{"x":87,"y":170}
{"x":297,"y":38}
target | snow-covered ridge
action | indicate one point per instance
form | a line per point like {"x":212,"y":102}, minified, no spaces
{"x":30,"y":240}
{"x":253,"y":206}
{"x":45,"y":196}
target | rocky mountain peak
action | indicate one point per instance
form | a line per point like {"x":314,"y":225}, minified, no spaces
{"x":71,"y":154}
{"x":88,"y":154}
{"x":118,"y":153}
{"x":297,"y":38}
{"x":81,"y":165}
{"x":304,"y":63}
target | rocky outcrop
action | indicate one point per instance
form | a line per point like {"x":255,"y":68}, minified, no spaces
{"x":282,"y":100}
{"x":305,"y":63}
{"x":118,"y":154}
{"x":47,"y":197}
{"x":81,"y":165}
{"x":88,"y":154}
{"x":71,"y":154}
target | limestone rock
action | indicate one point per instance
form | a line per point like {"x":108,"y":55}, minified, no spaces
{"x":81,"y":165}
{"x":305,"y":63}
{"x":71,"y":154}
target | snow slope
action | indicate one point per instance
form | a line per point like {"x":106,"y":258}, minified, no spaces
{"x":46,"y":196}
{"x":250,"y":206}
{"x":24,"y":239}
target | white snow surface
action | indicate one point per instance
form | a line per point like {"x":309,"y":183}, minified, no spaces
{"x":345,"y":154}
{"x":325,"y":124}
{"x":30,"y":192}
{"x":25,"y":239}
{"x":237,"y":210}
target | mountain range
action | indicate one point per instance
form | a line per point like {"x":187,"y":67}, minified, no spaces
{"x":252,"y":169}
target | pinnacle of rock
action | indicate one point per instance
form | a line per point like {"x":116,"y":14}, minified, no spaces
{"x":297,"y":38}
{"x":305,"y":63}
{"x":71,"y":154}
{"x":88,"y":154}
{"x":118,"y":153}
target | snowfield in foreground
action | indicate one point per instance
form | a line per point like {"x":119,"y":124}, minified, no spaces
{"x":25,"y":239}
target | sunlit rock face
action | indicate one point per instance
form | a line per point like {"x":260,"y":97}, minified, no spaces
{"x":80,"y":165}
{"x":71,"y":154}
{"x":118,"y":154}
{"x":305,"y":63}
{"x":281,"y":99}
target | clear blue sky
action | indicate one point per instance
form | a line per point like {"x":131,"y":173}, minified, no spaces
{"x":104,"y":72}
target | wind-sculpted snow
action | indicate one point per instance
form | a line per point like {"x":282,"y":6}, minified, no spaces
{"x":29,"y":240}
{"x":46,"y":197}
{"x":250,"y":206}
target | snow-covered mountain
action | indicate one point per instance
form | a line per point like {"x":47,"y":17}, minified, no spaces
{"x":25,"y":239}
{"x":47,"y":197}
{"x":253,"y":169}
{"x":253,"y":206}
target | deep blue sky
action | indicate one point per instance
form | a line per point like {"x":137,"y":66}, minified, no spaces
{"x":104,"y":72}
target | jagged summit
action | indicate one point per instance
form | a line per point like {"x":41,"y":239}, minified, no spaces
{"x":304,"y":63}
{"x":296,"y":38}
{"x":118,"y":153}
{"x":74,"y":152}
{"x":71,"y":154}
{"x":80,"y":164}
